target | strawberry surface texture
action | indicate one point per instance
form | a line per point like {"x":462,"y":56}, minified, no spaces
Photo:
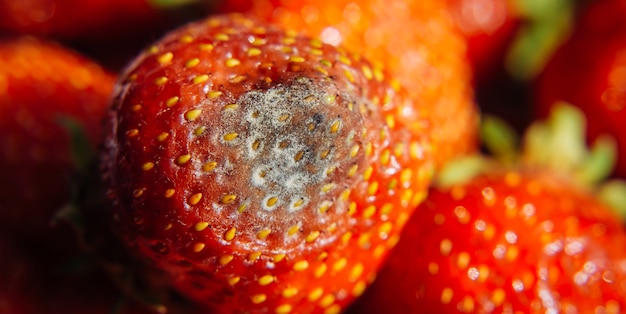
{"x":265,"y":171}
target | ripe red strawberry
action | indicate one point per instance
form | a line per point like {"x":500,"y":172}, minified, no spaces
{"x":592,"y":78}
{"x":265,"y":171}
{"x":415,"y":40}
{"x":41,"y":83}
{"x":505,"y":242}
{"x":75,"y":18}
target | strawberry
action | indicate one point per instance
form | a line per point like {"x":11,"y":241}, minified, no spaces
{"x":42,"y":84}
{"x":264,"y":171}
{"x":520,"y":232}
{"x":600,"y":91}
{"x":415,"y":40}
{"x":509,"y":241}
{"x":69,"y":19}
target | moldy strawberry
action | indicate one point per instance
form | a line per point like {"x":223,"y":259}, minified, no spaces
{"x":263,"y":170}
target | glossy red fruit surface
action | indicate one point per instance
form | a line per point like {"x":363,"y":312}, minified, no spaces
{"x":264,"y":170}
{"x":516,"y":242}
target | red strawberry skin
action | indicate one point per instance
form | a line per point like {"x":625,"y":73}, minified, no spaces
{"x":265,"y":171}
{"x":591,"y":79}
{"x":39,"y":83}
{"x":518,"y":242}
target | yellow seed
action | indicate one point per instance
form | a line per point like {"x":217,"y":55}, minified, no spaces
{"x":327,"y":300}
{"x":198,"y":247}
{"x":209,"y":166}
{"x":328,"y":187}
{"x":352,"y":208}
{"x":242,"y":208}
{"x":232,"y":62}
{"x":367,"y":174}
{"x":359,"y":288}
{"x":206,"y":47}
{"x":233,"y":280}
{"x":200,"y":79}
{"x":369,"y":211}
{"x":228,"y":198}
{"x":194,"y":199}
{"x":258,"y":298}
{"x":445,"y":246}
{"x":237,"y":79}
{"x":214,"y":94}
{"x":334,"y":128}
{"x":254,"y":256}
{"x":266,"y":280}
{"x":384,"y":229}
{"x":199,"y":130}
{"x":364,"y":241}
{"x":299,"y":156}
{"x":315,"y":294}
{"x":312,"y":236}
{"x":165,"y":58}
{"x":340,"y":264}
{"x":289,"y":292}
{"x":367,"y":71}
{"x":168,"y":226}
{"x":283,"y":309}
{"x":138,"y":192}
{"x":324,"y":154}
{"x":463,"y":260}
{"x":301,"y":265}
{"x":278,"y":257}
{"x":372,"y":188}
{"x":253,"y":52}
{"x":345,"y":195}
{"x":498,"y":296}
{"x":153,"y":49}
{"x":163,"y":136}
{"x":271,"y":201}
{"x":352,"y":170}
{"x":160,"y":80}
{"x":297,"y":59}
{"x":356,"y":272}
{"x":183,"y":159}
{"x":192,"y":63}
{"x":324,"y":206}
{"x":385,"y":157}
{"x":262,"y":235}
{"x":298,"y":203}
{"x":192,"y":114}
{"x":320,"y":270}
{"x":293,"y":230}
{"x":169,"y":193}
{"x":135,"y":108}
{"x":230,"y":234}
{"x":147,"y":166}
{"x":201,"y":226}
{"x":433,"y":268}
{"x":222,"y":37}
{"x":230,"y":136}
{"x":132,"y":133}
{"x":186,"y":39}
{"x":446,"y":295}
{"x":354,"y":150}
{"x":172,"y":101}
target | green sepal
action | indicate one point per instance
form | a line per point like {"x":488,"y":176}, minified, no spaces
{"x":546,"y":25}
{"x":499,"y":138}
{"x":613,"y":193}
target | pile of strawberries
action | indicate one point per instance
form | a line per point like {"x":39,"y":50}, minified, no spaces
{"x":274,"y":156}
